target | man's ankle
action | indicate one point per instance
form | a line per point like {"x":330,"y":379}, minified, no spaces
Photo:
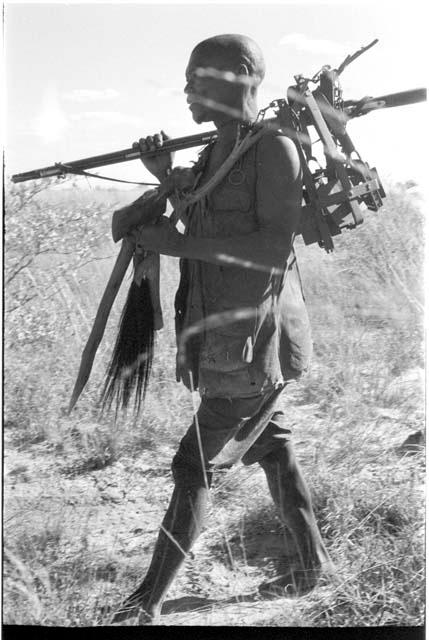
{"x":138,"y":604}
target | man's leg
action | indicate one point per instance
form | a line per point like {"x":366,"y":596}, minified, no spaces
{"x":216,"y":421}
{"x":306,"y":553}
{"x":180,"y":528}
{"x":302,"y":555}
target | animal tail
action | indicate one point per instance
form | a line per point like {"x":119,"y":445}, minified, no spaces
{"x":131,"y":363}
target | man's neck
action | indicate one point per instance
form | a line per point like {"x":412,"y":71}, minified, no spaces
{"x":227,"y":127}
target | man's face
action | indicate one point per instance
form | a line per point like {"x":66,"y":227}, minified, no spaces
{"x":210,"y":98}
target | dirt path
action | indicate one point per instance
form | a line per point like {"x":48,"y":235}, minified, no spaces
{"x":96,"y":531}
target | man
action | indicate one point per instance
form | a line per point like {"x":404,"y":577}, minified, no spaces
{"x":241,"y":320}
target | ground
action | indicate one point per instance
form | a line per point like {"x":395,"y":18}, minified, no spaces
{"x":84,"y":494}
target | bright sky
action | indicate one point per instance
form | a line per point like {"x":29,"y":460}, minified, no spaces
{"x":85,"y":79}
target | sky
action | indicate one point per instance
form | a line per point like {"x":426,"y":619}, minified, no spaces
{"x":90,"y":78}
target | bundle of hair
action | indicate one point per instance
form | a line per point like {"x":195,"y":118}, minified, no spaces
{"x":131,"y":361}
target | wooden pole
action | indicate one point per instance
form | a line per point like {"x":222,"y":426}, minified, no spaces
{"x":119,"y":270}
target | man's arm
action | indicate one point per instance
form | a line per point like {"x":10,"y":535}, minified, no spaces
{"x":279,"y":193}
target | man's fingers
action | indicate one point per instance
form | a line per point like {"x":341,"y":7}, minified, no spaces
{"x":142,"y":144}
{"x":153,"y":155}
{"x":145,"y":144}
{"x":158,"y":140}
{"x":151,"y":143}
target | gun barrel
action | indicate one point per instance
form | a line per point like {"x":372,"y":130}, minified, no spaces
{"x":115,"y":157}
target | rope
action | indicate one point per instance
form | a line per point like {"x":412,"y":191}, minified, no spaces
{"x":80,"y":172}
{"x":240,"y":148}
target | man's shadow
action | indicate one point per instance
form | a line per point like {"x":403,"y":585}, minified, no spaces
{"x":197,"y":603}
{"x":263,"y":539}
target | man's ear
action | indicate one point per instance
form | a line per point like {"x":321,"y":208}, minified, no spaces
{"x":243,"y":70}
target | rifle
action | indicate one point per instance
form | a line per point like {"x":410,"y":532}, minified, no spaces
{"x":335,"y":196}
{"x":330,"y":193}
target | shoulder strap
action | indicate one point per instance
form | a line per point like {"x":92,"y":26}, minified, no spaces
{"x":240,"y":148}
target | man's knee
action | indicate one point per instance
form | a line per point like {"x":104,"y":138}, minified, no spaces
{"x":282,"y":458}
{"x":189,"y":471}
{"x":272,"y":443}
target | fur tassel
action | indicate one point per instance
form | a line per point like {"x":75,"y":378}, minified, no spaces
{"x":131,"y":362}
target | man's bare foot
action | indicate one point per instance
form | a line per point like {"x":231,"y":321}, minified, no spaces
{"x":136,"y":606}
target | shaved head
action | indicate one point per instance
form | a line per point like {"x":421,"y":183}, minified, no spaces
{"x":222,"y":79}
{"x":229,"y":51}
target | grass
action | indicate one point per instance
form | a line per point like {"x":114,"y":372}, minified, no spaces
{"x":84,"y":495}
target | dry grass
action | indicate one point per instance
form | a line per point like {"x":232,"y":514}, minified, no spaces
{"x":84,"y":495}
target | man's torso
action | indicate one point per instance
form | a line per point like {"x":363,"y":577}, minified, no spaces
{"x":253,"y":326}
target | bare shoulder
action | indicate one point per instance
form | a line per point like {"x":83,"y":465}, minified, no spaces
{"x":278,"y":156}
{"x":276,"y":149}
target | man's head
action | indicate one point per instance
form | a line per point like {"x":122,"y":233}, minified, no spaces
{"x":222,"y":78}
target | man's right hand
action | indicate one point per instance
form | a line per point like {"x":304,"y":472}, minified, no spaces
{"x":161,"y":164}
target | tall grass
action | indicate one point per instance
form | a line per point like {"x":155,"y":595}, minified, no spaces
{"x":84,"y":494}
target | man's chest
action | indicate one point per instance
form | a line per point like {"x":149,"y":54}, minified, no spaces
{"x":215,"y":157}
{"x":229,"y":208}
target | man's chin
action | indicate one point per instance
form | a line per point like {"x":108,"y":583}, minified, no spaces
{"x":198,"y":114}
{"x":199,"y":119}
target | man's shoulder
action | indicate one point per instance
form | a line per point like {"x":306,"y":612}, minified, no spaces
{"x":277,"y":150}
{"x":276,"y":140}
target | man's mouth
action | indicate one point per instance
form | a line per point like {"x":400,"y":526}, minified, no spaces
{"x":193,"y":99}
